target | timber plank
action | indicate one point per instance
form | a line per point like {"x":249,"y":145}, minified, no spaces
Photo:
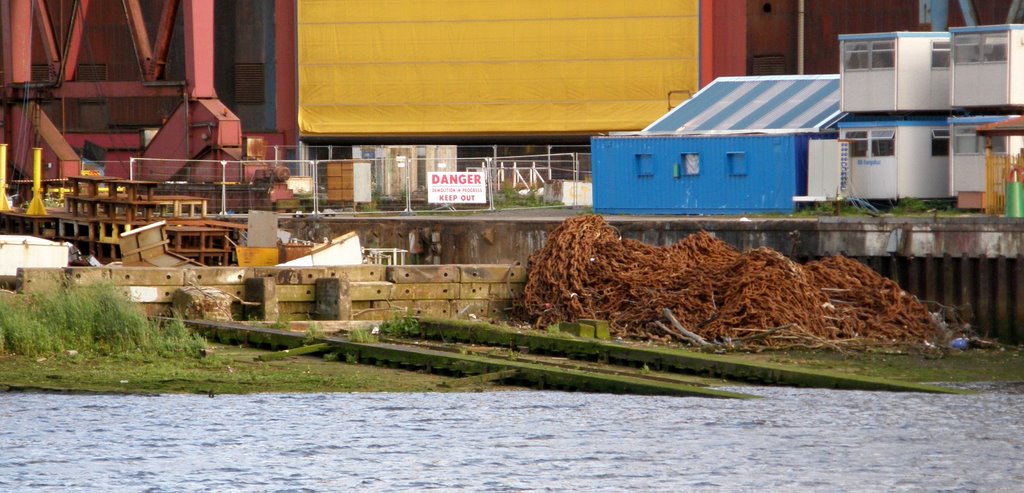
{"x":87,"y":275}
{"x":146,"y":276}
{"x":426,"y":291}
{"x":402,"y":274}
{"x":370,"y":290}
{"x":475,"y":291}
{"x":357,"y":273}
{"x":290,"y":275}
{"x":493,"y":273}
{"x":40,"y":279}
{"x":208,"y":276}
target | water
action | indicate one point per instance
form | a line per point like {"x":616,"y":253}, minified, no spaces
{"x":792,"y":440}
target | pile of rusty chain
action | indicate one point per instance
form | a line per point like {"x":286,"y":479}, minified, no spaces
{"x":585,"y":270}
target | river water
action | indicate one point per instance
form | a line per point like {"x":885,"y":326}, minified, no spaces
{"x":791,"y":440}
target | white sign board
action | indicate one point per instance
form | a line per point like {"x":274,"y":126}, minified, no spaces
{"x":456,"y":188}
{"x":362,"y":190}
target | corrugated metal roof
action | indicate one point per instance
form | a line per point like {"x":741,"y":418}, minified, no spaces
{"x":770,"y":104}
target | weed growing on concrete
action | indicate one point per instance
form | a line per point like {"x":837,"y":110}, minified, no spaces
{"x":362,"y":336}
{"x":313,"y":334}
{"x":400,"y":327}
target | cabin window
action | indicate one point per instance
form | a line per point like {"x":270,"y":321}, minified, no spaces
{"x":940,"y":142}
{"x":967,"y":48}
{"x":858,"y":143}
{"x":866,"y":55}
{"x":940,"y":54}
{"x":856,"y":56}
{"x":644,"y":165}
{"x":883,"y":54}
{"x":737,"y":163}
{"x":980,"y":48}
{"x":994,"y":47}
{"x":883,"y":143}
{"x":967,"y":141}
{"x":691,"y":163}
{"x":872,"y":143}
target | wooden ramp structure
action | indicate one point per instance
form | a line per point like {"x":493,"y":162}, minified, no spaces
{"x":592,"y":366}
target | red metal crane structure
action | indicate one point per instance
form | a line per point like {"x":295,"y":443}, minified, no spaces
{"x":201,"y":128}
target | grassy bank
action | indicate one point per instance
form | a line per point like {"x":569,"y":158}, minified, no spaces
{"x":95,"y":340}
{"x":228,"y":370}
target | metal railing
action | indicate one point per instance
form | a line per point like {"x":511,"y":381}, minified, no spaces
{"x":396,"y":183}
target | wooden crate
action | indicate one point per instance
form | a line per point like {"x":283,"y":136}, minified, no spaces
{"x":340,"y":182}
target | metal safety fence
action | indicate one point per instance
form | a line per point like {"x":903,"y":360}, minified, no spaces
{"x":403,"y":180}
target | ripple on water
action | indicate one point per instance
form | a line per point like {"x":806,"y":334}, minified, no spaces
{"x":792,"y":439}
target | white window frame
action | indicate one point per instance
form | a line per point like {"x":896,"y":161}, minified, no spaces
{"x":867,"y":143}
{"x":977,"y":48}
{"x":941,"y":53}
{"x":940,"y":134}
{"x":967,"y":142}
{"x":869,"y":54}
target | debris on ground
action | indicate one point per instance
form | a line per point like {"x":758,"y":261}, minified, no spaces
{"x":202,"y":303}
{"x":757,"y":298}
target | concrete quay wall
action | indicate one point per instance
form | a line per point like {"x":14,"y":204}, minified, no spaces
{"x":973,"y":263}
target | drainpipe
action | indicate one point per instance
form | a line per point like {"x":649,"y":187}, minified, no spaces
{"x":800,"y":37}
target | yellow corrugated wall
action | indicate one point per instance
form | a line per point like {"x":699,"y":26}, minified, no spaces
{"x":491,"y":67}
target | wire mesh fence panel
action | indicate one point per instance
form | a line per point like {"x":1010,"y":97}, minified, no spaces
{"x":542,"y":180}
{"x":233,"y":187}
{"x":397,"y":179}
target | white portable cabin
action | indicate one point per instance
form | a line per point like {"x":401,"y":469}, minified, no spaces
{"x":898,"y":71}
{"x":988,"y":66}
{"x":892,"y":159}
{"x":967,"y":163}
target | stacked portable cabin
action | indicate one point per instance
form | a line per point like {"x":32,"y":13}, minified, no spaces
{"x":987,"y":83}
{"x":896,"y":87}
{"x":916,"y":99}
{"x":738,"y":146}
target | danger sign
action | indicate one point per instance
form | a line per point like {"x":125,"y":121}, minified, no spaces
{"x":456,"y":188}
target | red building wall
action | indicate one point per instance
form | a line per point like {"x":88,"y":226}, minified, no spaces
{"x":752,"y":37}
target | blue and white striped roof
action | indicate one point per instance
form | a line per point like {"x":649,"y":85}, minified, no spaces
{"x":745,"y":105}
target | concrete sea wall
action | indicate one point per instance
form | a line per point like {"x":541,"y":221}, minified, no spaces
{"x":970,"y":262}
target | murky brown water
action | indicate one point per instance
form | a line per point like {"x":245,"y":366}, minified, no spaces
{"x":792,"y":440}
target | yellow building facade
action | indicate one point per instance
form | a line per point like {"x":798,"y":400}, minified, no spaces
{"x":483,"y":67}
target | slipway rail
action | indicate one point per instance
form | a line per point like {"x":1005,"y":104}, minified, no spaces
{"x":664,"y":359}
{"x":615,"y":370}
{"x":481,"y":368}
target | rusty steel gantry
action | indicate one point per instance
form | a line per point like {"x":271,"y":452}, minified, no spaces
{"x":201,"y":128}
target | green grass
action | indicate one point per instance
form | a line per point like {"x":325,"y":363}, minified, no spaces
{"x":362,"y":336}
{"x":228,"y":370}
{"x":907,"y":206}
{"x":401,"y":327}
{"x":510,"y":197}
{"x":96,"y":319}
{"x":975,"y":365}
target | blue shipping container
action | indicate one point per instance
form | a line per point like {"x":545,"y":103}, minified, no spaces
{"x":736,"y":174}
